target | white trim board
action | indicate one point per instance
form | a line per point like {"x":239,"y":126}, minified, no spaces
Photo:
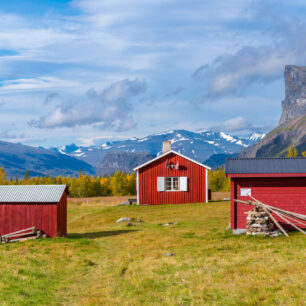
{"x":137,"y":186}
{"x":172,"y":151}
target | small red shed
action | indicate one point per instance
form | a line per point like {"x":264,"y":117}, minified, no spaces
{"x":172,"y":178}
{"x":42,"y":206}
{"x":279,"y":182}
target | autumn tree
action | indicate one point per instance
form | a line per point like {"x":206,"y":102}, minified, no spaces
{"x":83,"y":185}
{"x":3,"y":180}
{"x":292,"y":152}
{"x":218,"y":180}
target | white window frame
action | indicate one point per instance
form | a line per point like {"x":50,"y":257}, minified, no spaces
{"x":172,"y":180}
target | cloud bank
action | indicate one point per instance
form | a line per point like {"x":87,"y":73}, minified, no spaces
{"x":230,"y":74}
{"x":110,"y":109}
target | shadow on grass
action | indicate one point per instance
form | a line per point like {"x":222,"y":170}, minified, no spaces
{"x":93,"y":235}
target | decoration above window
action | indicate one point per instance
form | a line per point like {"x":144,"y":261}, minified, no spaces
{"x":172,"y":166}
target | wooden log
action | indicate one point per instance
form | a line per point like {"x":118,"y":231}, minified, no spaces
{"x":23,"y":239}
{"x":281,"y":210}
{"x":33,"y":229}
{"x":298,"y":221}
{"x":276,"y":223}
{"x":296,"y":227}
{"x":269,"y":214}
{"x":285,"y":212}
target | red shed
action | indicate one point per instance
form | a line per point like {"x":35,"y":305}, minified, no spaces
{"x":42,"y":206}
{"x":279,"y":182}
{"x":172,"y":178}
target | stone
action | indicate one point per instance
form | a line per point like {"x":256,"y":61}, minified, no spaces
{"x":170,"y":224}
{"x":168,"y":254}
{"x":239,"y":231}
{"x":123,"y":220}
{"x":125,"y":203}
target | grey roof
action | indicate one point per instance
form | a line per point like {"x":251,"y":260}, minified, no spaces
{"x":31,"y":193}
{"x":265,"y":165}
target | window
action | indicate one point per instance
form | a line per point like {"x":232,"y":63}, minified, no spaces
{"x":172,"y":183}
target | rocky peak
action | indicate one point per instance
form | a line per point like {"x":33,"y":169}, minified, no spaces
{"x":294,"y":104}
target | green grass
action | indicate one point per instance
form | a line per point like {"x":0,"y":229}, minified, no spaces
{"x":101,"y":262}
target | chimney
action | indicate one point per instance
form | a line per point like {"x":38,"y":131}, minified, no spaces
{"x":166,"y":146}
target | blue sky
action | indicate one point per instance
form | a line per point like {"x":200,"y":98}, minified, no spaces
{"x":86,"y":70}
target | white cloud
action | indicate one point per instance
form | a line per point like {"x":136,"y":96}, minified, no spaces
{"x":31,"y":84}
{"x":239,"y":124}
{"x":234,"y":124}
{"x":230,"y":74}
{"x":109,"y":109}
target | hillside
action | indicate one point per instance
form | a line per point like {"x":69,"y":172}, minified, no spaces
{"x":277,"y":142}
{"x":292,"y":126}
{"x":123,"y":161}
{"x":17,"y":158}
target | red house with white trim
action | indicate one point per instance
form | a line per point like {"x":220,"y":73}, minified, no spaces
{"x":172,"y":178}
{"x":279,"y":182}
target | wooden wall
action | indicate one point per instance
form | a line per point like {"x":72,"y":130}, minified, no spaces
{"x":51,"y":218}
{"x":195,"y":174}
{"x":286,"y":193}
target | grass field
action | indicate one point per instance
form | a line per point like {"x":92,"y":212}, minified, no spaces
{"x":104,"y":263}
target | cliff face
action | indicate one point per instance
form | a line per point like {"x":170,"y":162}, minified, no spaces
{"x":294,"y":104}
{"x":292,"y":125}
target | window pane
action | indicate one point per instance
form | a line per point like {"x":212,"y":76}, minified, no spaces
{"x":175,"y":183}
{"x":167,"y":183}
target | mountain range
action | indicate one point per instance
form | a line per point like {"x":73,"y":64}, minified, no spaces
{"x":17,"y":158}
{"x":196,"y":145}
{"x":118,"y":155}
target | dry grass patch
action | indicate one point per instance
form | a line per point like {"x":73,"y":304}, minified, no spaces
{"x":100,"y":201}
{"x":105,"y":263}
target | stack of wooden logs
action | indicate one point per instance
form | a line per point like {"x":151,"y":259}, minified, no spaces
{"x":259,"y":223}
{"x":22,"y":235}
{"x":288,"y":217}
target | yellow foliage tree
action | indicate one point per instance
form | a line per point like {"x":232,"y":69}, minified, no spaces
{"x":292,"y":152}
{"x":3,"y":180}
{"x":83,"y":185}
{"x":218,"y":180}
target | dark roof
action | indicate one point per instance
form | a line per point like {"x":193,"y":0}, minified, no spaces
{"x":265,"y":165}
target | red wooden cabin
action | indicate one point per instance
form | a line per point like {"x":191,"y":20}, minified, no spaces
{"x":171,"y":178}
{"x":42,"y":206}
{"x":279,"y":182}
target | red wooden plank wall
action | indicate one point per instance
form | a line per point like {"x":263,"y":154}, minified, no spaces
{"x":62,"y":216}
{"x":196,"y":176}
{"x":15,"y":217}
{"x":286,"y":193}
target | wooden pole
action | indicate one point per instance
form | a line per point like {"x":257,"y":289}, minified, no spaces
{"x":298,"y":221}
{"x":296,"y":227}
{"x":300,"y":216}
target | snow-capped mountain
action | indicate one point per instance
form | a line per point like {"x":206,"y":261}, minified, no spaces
{"x":199,"y":146}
